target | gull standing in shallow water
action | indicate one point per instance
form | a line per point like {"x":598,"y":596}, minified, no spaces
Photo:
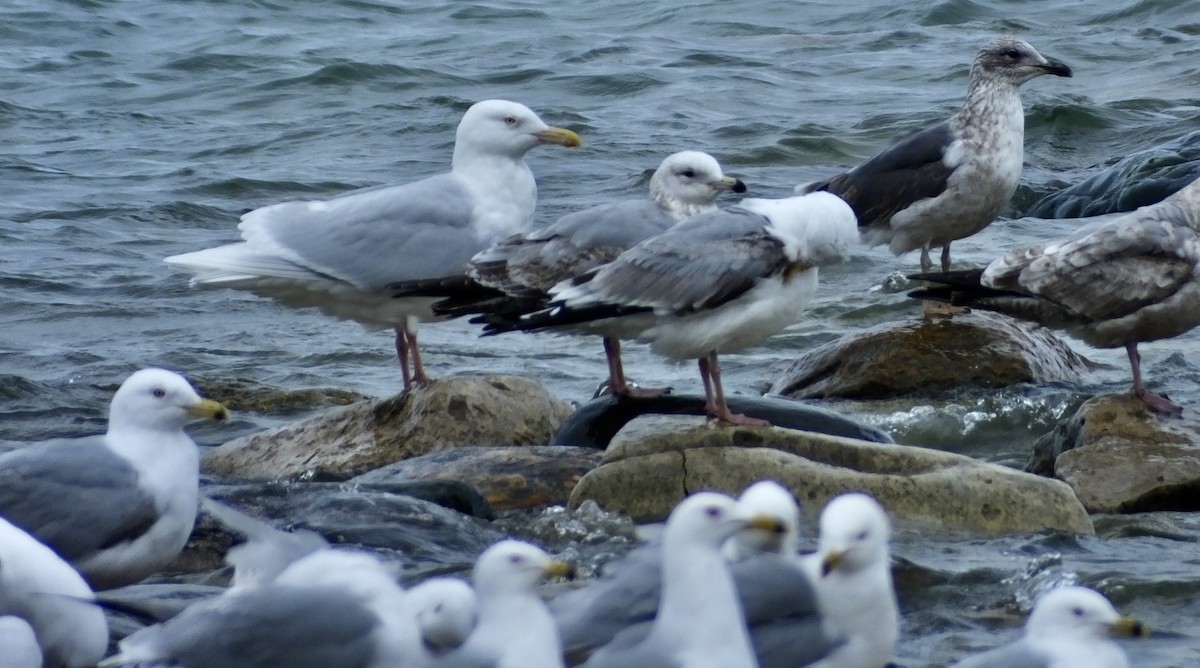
{"x":524,"y":267}
{"x":949,"y":181}
{"x":120,"y":506}
{"x":1069,"y":626}
{"x":1132,"y":279}
{"x":339,"y":255}
{"x":716,"y":282}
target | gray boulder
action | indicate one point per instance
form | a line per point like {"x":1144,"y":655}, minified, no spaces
{"x":347,"y":441}
{"x":1119,"y":457}
{"x":929,"y":355}
{"x":656,"y":461}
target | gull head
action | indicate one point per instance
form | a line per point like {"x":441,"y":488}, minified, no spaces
{"x":708,"y":519}
{"x":512,"y":566}
{"x":771,"y":499}
{"x":688,"y":183}
{"x":1078,"y":613}
{"x":1014,"y":61}
{"x":160,"y":400}
{"x":854,"y":535}
{"x":445,"y":611}
{"x":507,"y":129}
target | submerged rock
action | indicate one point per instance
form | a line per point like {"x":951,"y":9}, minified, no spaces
{"x":654,"y":462}
{"x":446,"y":413}
{"x":595,"y":423}
{"x":1138,"y":180}
{"x":1119,"y":457}
{"x":929,"y":355}
{"x":510,"y":477}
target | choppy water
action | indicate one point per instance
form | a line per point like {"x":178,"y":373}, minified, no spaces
{"x":138,"y":129}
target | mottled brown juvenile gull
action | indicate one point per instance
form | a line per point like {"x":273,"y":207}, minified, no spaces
{"x":42,"y":589}
{"x":514,"y":628}
{"x":949,"y":181}
{"x":1132,"y":279}
{"x":699,"y":623}
{"x":120,"y":506}
{"x":339,"y":255}
{"x":714,"y":283}
{"x":525,"y":267}
{"x":1069,"y":626}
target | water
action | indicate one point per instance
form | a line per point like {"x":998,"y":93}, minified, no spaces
{"x":134,"y":130}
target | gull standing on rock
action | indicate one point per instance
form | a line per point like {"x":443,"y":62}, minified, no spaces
{"x":523,"y":268}
{"x":1132,"y":279}
{"x":120,"y":506}
{"x":716,"y":282}
{"x":952,"y":180}
{"x":1069,"y":626}
{"x":339,"y":255}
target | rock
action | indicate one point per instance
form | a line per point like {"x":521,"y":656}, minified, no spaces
{"x":654,"y":462}
{"x":594,"y":424}
{"x":243,"y":395}
{"x":1120,"y":458}
{"x":928,"y":355}
{"x":410,"y":530}
{"x":1143,"y":178}
{"x":510,"y":477}
{"x":342,"y":443}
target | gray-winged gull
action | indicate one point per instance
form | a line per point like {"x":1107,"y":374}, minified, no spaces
{"x":339,"y":255}
{"x":267,"y":551}
{"x":699,"y":622}
{"x":951,"y":180}
{"x":446,"y":611}
{"x":18,"y":644}
{"x":42,"y":589}
{"x":514,"y":628}
{"x":853,"y":577}
{"x":1069,"y":626}
{"x":332,"y":609}
{"x":1117,"y":283}
{"x":714,"y":283}
{"x":119,"y":506}
{"x":525,"y":267}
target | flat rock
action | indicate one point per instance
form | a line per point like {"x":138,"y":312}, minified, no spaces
{"x":594,"y":424}
{"x":1119,"y":457}
{"x":656,"y":461}
{"x":516,"y":477}
{"x":931,"y":355}
{"x":347,"y":441}
{"x":1140,"y":179}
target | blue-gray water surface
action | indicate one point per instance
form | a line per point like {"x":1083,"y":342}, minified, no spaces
{"x":138,"y":129}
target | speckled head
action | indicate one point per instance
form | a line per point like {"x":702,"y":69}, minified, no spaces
{"x":1015,"y":61}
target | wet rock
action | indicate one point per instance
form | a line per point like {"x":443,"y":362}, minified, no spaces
{"x":243,"y":395}
{"x":1143,"y":178}
{"x":594,"y":424}
{"x":446,"y":413}
{"x":654,"y":462}
{"x":928,"y":355}
{"x":509,"y":477}
{"x":409,"y":530}
{"x":1119,"y":457}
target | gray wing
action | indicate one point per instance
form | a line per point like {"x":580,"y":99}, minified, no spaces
{"x":1116,"y":269}
{"x":781,"y":612}
{"x":912,"y":168}
{"x":76,"y":496}
{"x":701,"y":263}
{"x":267,"y":550}
{"x":1015,"y":655}
{"x":373,"y":238}
{"x":529,"y":265}
{"x":591,"y":617}
{"x":269,"y":627}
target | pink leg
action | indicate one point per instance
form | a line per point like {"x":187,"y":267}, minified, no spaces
{"x":710,"y":405}
{"x":418,"y":375}
{"x":402,"y":354}
{"x":1157,"y":403}
{"x":723,"y":413}
{"x":946,"y":257}
{"x":616,"y":375}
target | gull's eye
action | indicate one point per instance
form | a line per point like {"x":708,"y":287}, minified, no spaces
{"x":712,"y":511}
{"x":688,"y":173}
{"x":861,"y":536}
{"x":515,"y":559}
{"x":510,"y":121}
{"x":1078,"y":612}
{"x":1012,"y":54}
{"x":159,"y":393}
